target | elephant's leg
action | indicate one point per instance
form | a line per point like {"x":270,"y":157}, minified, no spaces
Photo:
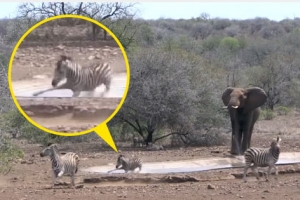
{"x":247,"y":131}
{"x":255,"y":117}
{"x":235,"y":138}
{"x":250,"y":136}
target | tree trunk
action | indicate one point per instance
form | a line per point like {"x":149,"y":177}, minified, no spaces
{"x":149,"y":137}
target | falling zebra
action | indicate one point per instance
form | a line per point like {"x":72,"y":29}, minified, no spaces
{"x":262,"y":158}
{"x":62,"y":165}
{"x":128,"y":164}
{"x":79,"y":78}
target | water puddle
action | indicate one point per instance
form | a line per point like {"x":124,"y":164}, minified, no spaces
{"x":196,"y":165}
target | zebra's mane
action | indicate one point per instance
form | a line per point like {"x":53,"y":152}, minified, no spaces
{"x":64,"y":58}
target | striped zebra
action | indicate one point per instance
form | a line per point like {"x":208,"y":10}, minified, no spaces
{"x":62,"y":165}
{"x":79,"y":78}
{"x":128,"y":164}
{"x":259,"y":157}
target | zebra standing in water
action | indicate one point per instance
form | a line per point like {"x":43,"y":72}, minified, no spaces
{"x":62,"y":165}
{"x":262,"y":158}
{"x":128,"y":164}
{"x":78,"y":78}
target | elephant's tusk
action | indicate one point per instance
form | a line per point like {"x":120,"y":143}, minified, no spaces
{"x":225,"y":107}
{"x":234,"y":107}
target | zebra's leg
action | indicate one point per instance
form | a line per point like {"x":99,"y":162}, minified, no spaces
{"x":53,"y":178}
{"x":107,"y":84}
{"x":73,"y":179}
{"x":268,"y":173}
{"x":255,"y":171}
{"x":276,"y":172}
{"x":76,"y":93}
{"x":91,"y":93}
{"x":63,"y":86}
{"x":43,"y":91}
{"x":245,"y":172}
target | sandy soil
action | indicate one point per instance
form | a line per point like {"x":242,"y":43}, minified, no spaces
{"x":31,"y":177}
{"x":69,"y":115}
{"x":39,"y":58}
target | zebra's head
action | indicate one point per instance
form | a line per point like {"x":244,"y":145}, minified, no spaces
{"x":120,"y":161}
{"x":60,"y":69}
{"x":48,"y":151}
{"x":276,"y":142}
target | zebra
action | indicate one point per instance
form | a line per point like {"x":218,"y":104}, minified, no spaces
{"x":128,"y":164}
{"x":138,"y":141}
{"x":78,"y":78}
{"x":62,"y":165}
{"x":267,"y":157}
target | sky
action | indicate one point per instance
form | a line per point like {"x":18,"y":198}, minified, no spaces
{"x":186,"y":10}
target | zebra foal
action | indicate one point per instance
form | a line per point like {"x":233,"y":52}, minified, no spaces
{"x":259,"y":157}
{"x":79,"y":78}
{"x":128,"y":164}
{"x":62,"y":165}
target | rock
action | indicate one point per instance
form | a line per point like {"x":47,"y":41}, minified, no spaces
{"x":98,"y":56}
{"x":211,"y":187}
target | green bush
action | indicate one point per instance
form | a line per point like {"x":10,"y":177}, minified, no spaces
{"x":267,"y":114}
{"x":282,"y":110}
{"x":35,"y":135}
{"x":296,"y":31}
{"x":14,"y":122}
{"x":8,"y":154}
{"x":230,"y":43}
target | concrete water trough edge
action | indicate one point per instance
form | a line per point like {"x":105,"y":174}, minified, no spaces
{"x":195,"y":165}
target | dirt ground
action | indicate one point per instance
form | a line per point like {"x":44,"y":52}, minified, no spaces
{"x":31,"y":176}
{"x":38,"y":55}
{"x":65,"y":115}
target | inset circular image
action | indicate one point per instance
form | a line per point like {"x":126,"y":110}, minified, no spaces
{"x":68,"y":74}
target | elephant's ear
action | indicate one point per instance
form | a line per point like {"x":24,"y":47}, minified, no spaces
{"x":226,"y":95}
{"x":256,"y":97}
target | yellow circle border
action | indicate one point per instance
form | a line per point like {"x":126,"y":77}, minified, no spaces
{"x":60,"y":17}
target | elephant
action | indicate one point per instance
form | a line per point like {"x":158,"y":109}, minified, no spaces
{"x":244,"y":109}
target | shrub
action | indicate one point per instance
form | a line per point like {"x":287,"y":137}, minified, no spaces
{"x":230,"y":43}
{"x":14,"y":122}
{"x":267,"y":114}
{"x":282,"y":110}
{"x":8,"y":154}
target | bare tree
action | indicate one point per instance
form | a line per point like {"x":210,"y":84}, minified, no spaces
{"x":98,"y":11}
{"x":274,"y":76}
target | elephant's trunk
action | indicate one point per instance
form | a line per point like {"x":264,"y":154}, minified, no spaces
{"x":234,"y":103}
